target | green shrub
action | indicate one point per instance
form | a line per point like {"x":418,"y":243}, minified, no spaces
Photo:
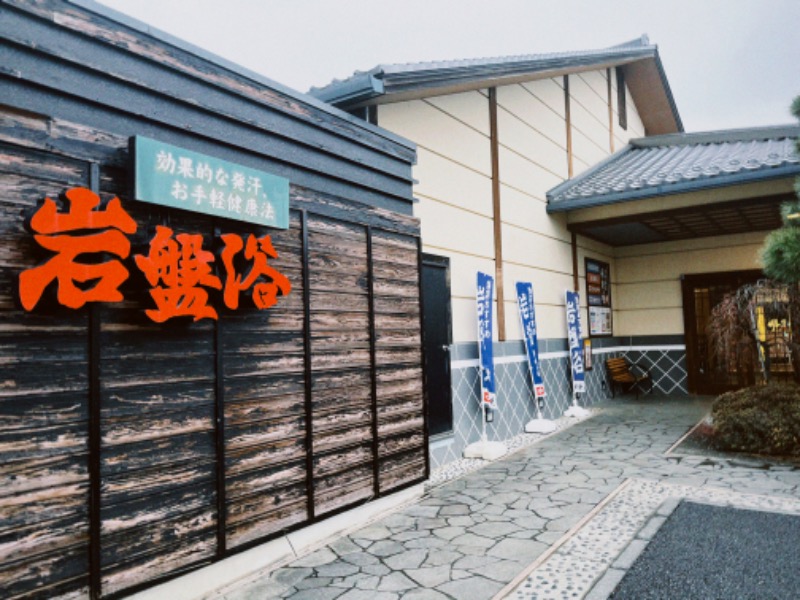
{"x":759,"y":420}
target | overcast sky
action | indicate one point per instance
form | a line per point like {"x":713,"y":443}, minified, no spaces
{"x":730,"y":63}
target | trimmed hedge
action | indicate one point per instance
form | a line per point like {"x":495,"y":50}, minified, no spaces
{"x":759,"y":420}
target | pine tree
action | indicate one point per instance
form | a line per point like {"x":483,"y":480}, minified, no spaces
{"x":781,"y":252}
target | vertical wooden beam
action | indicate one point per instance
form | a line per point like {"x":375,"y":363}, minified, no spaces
{"x":219,"y":435}
{"x":373,"y":364}
{"x":570,"y":166}
{"x":575,"y":286}
{"x":309,"y":441}
{"x":610,"y":113}
{"x":423,"y":359}
{"x":95,"y":433}
{"x":496,"y":216}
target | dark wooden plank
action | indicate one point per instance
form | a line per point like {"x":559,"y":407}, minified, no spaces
{"x":262,"y":504}
{"x":256,"y":457}
{"x":36,"y":411}
{"x":41,"y":503}
{"x":128,"y":517}
{"x":153,"y":481}
{"x":37,"y":443}
{"x":342,"y":489}
{"x":397,"y":305}
{"x":403,"y":423}
{"x":339,"y":438}
{"x":328,"y":341}
{"x":263,"y":409}
{"x":254,"y":343}
{"x":393,"y":405}
{"x":268,"y":481}
{"x":131,"y":430}
{"x":30,"y":174}
{"x":29,"y":475}
{"x":401,"y":443}
{"x":337,"y":398}
{"x":337,"y":247}
{"x":341,"y":418}
{"x":264,"y":432}
{"x":268,"y":524}
{"x":393,"y":478}
{"x":328,"y":205}
{"x":195,"y":552}
{"x":343,"y":302}
{"x":261,"y":387}
{"x":150,"y":451}
{"x":24,"y":544}
{"x":156,"y":399}
{"x":399,"y":356}
{"x":341,"y":460}
{"x":399,"y":381}
{"x":324,"y":321}
{"x":57,"y":575}
{"x":346,"y":358}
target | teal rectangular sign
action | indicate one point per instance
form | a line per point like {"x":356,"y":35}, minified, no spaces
{"x":171,"y":176}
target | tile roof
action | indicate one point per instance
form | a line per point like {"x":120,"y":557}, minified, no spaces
{"x":403,"y":80}
{"x":675,"y":163}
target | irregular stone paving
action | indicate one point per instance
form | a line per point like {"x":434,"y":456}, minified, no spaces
{"x":471,"y":537}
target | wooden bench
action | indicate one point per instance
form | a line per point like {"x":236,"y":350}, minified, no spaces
{"x":624,"y":374}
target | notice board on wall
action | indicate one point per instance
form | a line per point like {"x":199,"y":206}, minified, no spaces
{"x":598,"y":297}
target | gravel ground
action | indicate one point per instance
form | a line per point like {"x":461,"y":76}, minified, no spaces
{"x":705,"y":551}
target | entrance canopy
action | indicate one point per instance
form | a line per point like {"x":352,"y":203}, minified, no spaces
{"x":682,"y":186}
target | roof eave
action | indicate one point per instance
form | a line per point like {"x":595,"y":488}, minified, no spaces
{"x":707,"y":183}
{"x":352,"y":92}
{"x":399,"y":85}
{"x":649,"y":87}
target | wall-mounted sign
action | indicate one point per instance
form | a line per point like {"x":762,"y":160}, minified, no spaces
{"x":598,"y":297}
{"x":89,"y":243}
{"x":171,"y":176}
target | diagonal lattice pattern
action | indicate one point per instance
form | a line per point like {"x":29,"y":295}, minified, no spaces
{"x":515,"y":394}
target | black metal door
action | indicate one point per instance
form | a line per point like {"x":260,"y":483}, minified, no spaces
{"x":438,"y":337}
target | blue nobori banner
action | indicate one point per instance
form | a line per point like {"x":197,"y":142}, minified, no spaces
{"x":575,"y":343}
{"x":485,"y":350}
{"x":527,"y":314}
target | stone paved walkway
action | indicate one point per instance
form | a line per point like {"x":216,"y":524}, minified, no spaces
{"x":477,"y":536}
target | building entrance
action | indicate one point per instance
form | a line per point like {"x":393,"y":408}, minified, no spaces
{"x":701,"y":294}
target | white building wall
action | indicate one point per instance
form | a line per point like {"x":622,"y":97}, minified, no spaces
{"x":648,"y":280}
{"x":454,"y":189}
{"x":455,"y":194}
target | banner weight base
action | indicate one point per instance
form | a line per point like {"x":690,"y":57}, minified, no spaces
{"x":540,"y":426}
{"x":576,"y":412}
{"x":485,"y":450}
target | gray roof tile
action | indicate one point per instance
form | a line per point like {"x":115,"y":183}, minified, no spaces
{"x":674,"y":163}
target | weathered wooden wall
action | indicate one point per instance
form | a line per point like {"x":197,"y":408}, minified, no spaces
{"x":132,"y":451}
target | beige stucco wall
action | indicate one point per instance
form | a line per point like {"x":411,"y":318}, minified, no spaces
{"x":455,"y":195}
{"x":647,"y":278}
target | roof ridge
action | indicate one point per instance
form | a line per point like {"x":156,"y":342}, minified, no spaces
{"x":380,"y":71}
{"x":720,"y":136}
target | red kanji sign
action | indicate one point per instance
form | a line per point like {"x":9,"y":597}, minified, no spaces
{"x":265,"y":294}
{"x":177,"y":267}
{"x":74,"y":241}
{"x":182,"y":266}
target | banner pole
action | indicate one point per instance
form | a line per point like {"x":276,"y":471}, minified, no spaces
{"x":527,"y":315}
{"x":488,"y":400}
{"x":573,"y":309}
